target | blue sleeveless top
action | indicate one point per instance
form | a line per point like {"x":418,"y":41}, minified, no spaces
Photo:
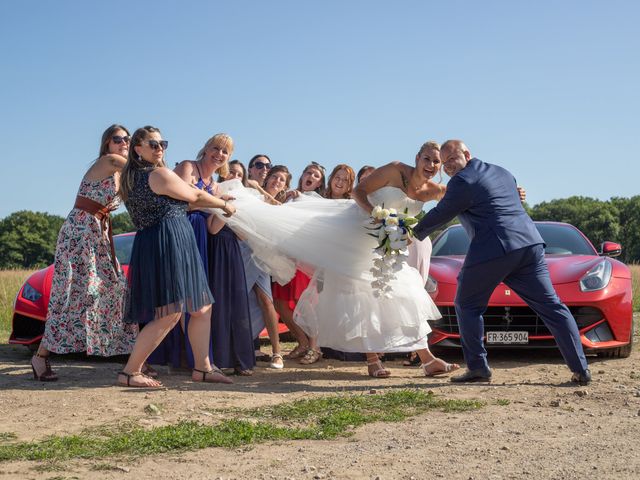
{"x":146,"y":207}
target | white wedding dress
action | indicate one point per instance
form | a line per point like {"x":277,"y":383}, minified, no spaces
{"x":328,"y":239}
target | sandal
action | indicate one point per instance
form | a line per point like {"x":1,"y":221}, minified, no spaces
{"x":446,"y":368}
{"x":129,"y":376}
{"x":243,"y":373}
{"x":149,"y":371}
{"x":215,"y":376}
{"x":298,"y":352}
{"x":412,"y":361}
{"x":276,"y":361}
{"x":380,"y":372}
{"x":262,"y":357}
{"x":42,"y":369}
{"x":312,"y":356}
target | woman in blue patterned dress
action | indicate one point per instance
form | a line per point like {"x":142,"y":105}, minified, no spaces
{"x":166,"y":276}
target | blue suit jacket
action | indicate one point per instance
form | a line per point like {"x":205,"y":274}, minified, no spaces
{"x":486,"y":201}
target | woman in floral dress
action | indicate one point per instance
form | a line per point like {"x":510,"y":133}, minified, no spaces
{"x":87,"y":291}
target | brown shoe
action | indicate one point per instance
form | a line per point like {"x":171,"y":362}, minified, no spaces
{"x":42,"y":369}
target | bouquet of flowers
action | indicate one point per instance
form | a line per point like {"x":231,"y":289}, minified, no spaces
{"x":393,"y":232}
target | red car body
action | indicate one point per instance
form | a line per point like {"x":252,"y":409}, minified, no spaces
{"x":604,"y":315}
{"x":32,"y":300}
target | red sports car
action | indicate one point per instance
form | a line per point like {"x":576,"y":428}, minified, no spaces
{"x":595,"y":287}
{"x":32,"y":301}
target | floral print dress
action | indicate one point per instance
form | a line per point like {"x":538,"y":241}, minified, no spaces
{"x":87,"y":295}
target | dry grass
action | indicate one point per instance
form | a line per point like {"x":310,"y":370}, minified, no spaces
{"x":635,"y":280}
{"x":10,"y":282}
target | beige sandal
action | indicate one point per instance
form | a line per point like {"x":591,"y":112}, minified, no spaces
{"x":446,"y":368}
{"x":276,"y":361}
{"x":380,"y":372}
{"x":312,"y":356}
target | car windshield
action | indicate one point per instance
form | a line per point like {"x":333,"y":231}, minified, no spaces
{"x":559,"y":240}
{"x":123,"y":245}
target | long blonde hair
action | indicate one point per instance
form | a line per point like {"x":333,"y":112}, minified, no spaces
{"x":220,"y":140}
{"x":135,"y":162}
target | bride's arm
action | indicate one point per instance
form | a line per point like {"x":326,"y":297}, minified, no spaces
{"x":381,"y":177}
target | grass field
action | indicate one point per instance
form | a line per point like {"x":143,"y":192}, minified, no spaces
{"x":10,"y":281}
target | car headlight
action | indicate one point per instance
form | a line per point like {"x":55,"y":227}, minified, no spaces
{"x":30,"y":293}
{"x":597,"y":278}
{"x":432,"y":285}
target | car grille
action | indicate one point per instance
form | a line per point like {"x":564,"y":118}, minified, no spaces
{"x":514,"y":319}
{"x":26,"y":328}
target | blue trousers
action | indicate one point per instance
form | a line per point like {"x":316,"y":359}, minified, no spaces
{"x":525,"y":272}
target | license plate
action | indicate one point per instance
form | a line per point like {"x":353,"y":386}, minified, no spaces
{"x":507,"y":338}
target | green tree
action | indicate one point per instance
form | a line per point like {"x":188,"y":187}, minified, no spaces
{"x":121,"y":223}
{"x":28,"y":239}
{"x":598,"y":220}
{"x":629,"y":215}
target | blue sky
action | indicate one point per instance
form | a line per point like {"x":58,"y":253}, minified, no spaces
{"x":547,"y":89}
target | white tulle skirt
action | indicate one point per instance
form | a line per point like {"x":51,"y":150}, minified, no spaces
{"x":328,"y":239}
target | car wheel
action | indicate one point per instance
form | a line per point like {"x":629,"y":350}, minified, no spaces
{"x":620,"y":352}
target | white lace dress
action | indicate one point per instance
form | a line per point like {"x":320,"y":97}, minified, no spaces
{"x":329,"y":240}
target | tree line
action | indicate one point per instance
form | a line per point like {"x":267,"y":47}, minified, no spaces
{"x":28,"y":239}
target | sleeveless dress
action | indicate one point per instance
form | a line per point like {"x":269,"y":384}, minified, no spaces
{"x":86,"y":304}
{"x":339,"y":306}
{"x":175,"y":347}
{"x":231,"y":333}
{"x":166,"y":274}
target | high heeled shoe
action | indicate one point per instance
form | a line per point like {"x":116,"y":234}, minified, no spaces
{"x":41,"y":368}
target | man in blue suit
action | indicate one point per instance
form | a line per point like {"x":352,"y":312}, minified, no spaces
{"x":505,"y":247}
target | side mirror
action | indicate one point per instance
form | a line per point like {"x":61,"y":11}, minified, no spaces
{"x":610,"y":249}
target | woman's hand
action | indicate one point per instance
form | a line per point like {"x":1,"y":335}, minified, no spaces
{"x":229,"y":209}
{"x":523,"y":193}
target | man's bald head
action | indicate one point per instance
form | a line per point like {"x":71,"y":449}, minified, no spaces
{"x":454,"y":155}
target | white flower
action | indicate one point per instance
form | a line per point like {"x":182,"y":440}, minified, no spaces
{"x":375,"y":213}
{"x":393,"y":211}
{"x":384,"y":214}
{"x":392,"y":221}
{"x":390,"y":228}
{"x":398,"y":244}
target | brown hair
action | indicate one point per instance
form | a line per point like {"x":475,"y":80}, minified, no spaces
{"x":320,"y":190}
{"x":106,"y":137}
{"x":351,"y":177}
{"x":364,"y":170}
{"x":220,"y":140}
{"x":282,"y":195}
{"x":134,"y":161}
{"x":242,"y":167}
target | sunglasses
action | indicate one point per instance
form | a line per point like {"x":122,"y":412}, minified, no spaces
{"x":261,"y":165}
{"x":316,"y":164}
{"x":118,"y":139}
{"x":155,"y":144}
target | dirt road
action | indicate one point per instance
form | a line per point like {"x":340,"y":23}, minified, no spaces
{"x":534,"y":425}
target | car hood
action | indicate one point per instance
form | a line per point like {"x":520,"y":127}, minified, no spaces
{"x":562,"y":268}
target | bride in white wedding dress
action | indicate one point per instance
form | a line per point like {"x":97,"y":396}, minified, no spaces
{"x":328,"y":239}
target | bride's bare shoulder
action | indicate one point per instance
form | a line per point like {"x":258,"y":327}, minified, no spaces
{"x":396,"y":170}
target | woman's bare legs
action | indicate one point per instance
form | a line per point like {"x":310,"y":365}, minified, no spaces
{"x":199,"y":338}
{"x":270,"y":317}
{"x":146,"y":342}
{"x":286,"y":314}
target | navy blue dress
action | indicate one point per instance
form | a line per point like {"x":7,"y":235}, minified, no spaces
{"x":166,"y":274}
{"x":231,"y":332}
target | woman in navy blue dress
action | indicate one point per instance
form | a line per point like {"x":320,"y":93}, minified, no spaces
{"x":231,"y":333}
{"x":166,"y":276}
